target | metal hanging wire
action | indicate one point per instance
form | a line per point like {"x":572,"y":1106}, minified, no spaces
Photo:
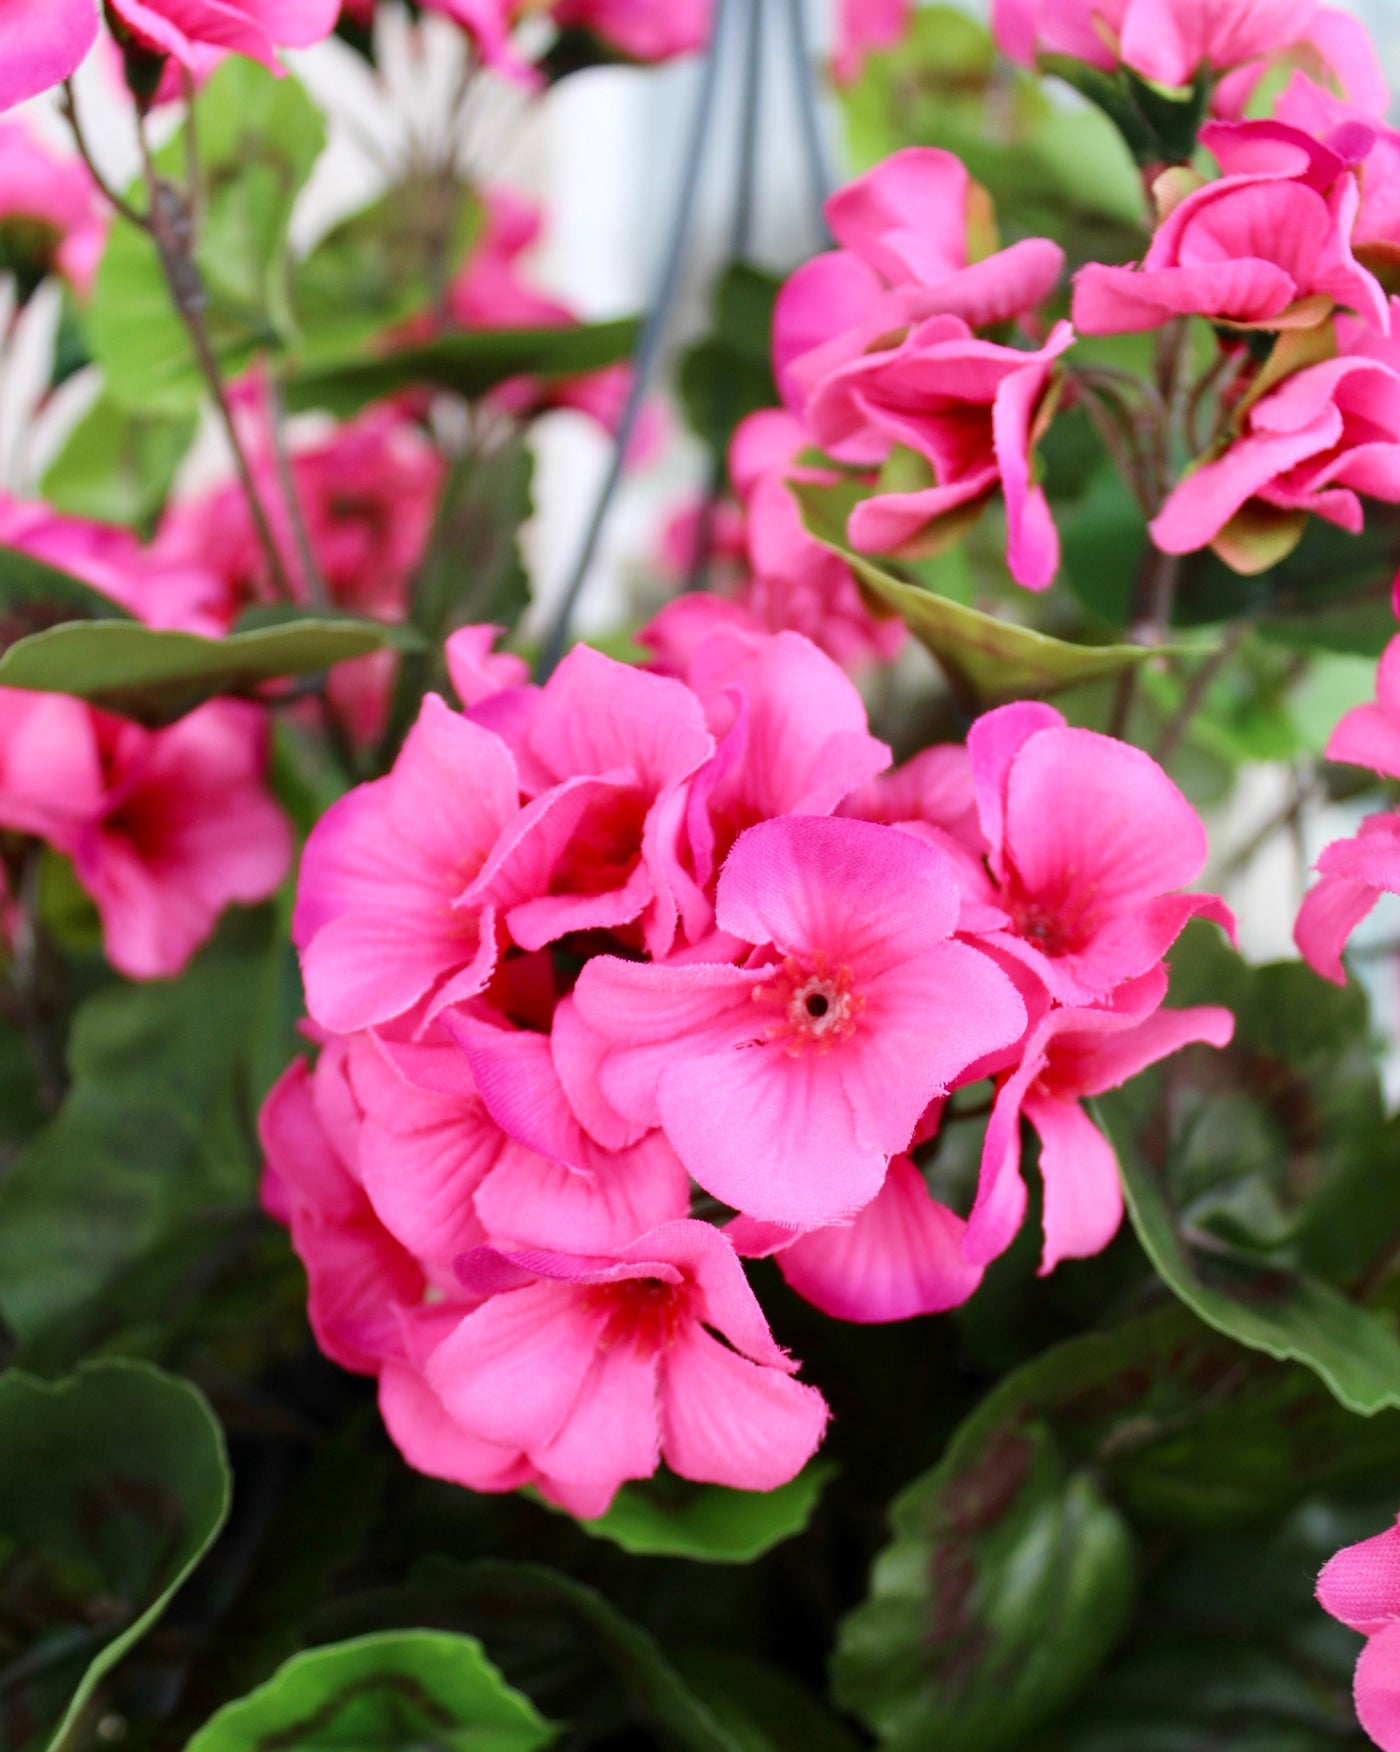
{"x":673,"y":260}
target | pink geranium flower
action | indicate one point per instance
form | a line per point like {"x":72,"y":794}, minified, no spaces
{"x":1072,"y":1055}
{"x":1355,"y":872}
{"x":1326,"y":436}
{"x":606,"y":751}
{"x":974,"y":411}
{"x":41,"y":43}
{"x":1266,"y":245}
{"x":189,"y":30}
{"x":184,"y":828}
{"x":599,"y":1368}
{"x":382,"y":921}
{"x":1360,"y":1585}
{"x":1090,"y":840}
{"x":771,"y":1078}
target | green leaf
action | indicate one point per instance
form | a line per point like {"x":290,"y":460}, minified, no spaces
{"x":396,"y":1690}
{"x":1009,"y":1580}
{"x":467,"y":364}
{"x":729,"y":374}
{"x":668,"y":1517}
{"x":985,"y":659}
{"x":113,"y":1485}
{"x":1286,"y":1314}
{"x":382,"y":265}
{"x":35,"y":596}
{"x":118,"y":466}
{"x":259,"y":137}
{"x":154,"y":1141}
{"x":156,"y":676}
{"x":1159,"y":125}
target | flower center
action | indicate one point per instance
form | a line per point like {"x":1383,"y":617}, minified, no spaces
{"x":816,"y":1000}
{"x":645,"y":1313}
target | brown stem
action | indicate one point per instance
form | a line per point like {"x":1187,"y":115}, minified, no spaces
{"x":1206,"y":672}
{"x":316,"y":587}
{"x":68,"y":105}
{"x":171,"y":225}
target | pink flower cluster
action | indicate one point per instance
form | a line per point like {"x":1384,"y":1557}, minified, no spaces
{"x":165,"y":828}
{"x":624,"y":977}
{"x":1355,"y":872}
{"x":1361,"y":1587}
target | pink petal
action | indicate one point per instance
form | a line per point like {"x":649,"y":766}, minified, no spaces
{"x":1083,"y":1198}
{"x":613,"y":1431}
{"x":725,"y":1420}
{"x":866,"y":895}
{"x":900,"y":1256}
{"x":514,"y":1366}
{"x":427,"y":1436}
{"x":1360,"y":1584}
{"x":993,"y":743}
{"x":530,"y":1202}
{"x":578,"y":1054}
{"x":770,"y":1135}
{"x":1332,"y":909}
{"x":41,"y":43}
{"x":1377,"y":1688}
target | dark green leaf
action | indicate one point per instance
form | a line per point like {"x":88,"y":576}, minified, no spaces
{"x":156,"y":676}
{"x":762,"y":1707}
{"x":113,"y":1485}
{"x":554,"y":1638}
{"x":1009,"y":1580}
{"x":1286,"y":1314}
{"x":466,"y":364}
{"x":729,"y":374}
{"x":118,"y":466}
{"x":400,"y":1689}
{"x":985,"y":659}
{"x":1159,"y":125}
{"x":154,"y":1141}
{"x":35,"y":597}
{"x":667,"y":1517}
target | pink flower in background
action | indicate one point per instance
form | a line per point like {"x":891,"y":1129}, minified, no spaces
{"x":1266,"y":245}
{"x":184,"y":828}
{"x":863,"y":26}
{"x":1090,"y":840}
{"x":770,"y":1078}
{"x":1171,"y":41}
{"x":1360,"y":1585}
{"x":643,"y":30}
{"x":598,"y":1368}
{"x":41,"y":43}
{"x":51,"y":216}
{"x":189,"y":30}
{"x":1071,"y":1055}
{"x":1355,"y":872}
{"x":973,"y":411}
{"x":368,"y":495}
{"x":380,"y":920}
